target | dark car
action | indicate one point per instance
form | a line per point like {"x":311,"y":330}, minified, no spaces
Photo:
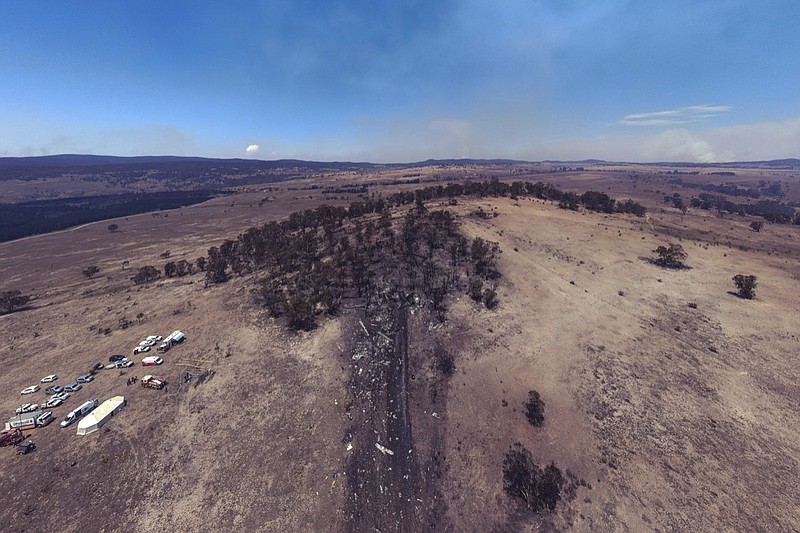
{"x":54,"y":389}
{"x":98,"y":366}
{"x":25,"y":447}
{"x":115,"y":358}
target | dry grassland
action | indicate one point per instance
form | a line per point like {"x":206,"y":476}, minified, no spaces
{"x":678,"y":418}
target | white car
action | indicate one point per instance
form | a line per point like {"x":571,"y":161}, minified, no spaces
{"x":147,"y":343}
{"x":27,"y":408}
{"x":52,"y":402}
{"x":61,"y":396}
{"x":30,"y":390}
{"x":125,"y":363}
{"x":141,"y":349}
{"x":154,"y":338}
{"x":49,"y":379}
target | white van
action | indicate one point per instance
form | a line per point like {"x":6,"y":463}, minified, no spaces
{"x":79,"y":413}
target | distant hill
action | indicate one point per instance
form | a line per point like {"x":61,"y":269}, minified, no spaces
{"x":56,"y":165}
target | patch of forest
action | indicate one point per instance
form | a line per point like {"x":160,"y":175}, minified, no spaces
{"x":43,"y":216}
{"x":315,"y":258}
{"x":770,"y":210}
{"x":731,"y":189}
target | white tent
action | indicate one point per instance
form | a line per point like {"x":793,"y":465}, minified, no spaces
{"x":94,"y":420}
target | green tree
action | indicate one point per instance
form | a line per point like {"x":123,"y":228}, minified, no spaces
{"x":300,"y":314}
{"x":170,"y":269}
{"x":216,"y":266}
{"x":272,"y":297}
{"x":112,"y":228}
{"x":671,"y":256}
{"x":146,"y":274}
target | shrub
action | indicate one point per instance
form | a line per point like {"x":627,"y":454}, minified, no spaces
{"x":146,"y":274}
{"x":90,"y":271}
{"x":476,"y":289}
{"x":490,"y":298}
{"x":746,"y":285}
{"x":534,"y":409}
{"x":444,"y":361}
{"x":523,"y":480}
{"x":756,"y":225}
{"x":10,"y":301}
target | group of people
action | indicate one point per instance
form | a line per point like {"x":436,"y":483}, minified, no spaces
{"x":132,"y":380}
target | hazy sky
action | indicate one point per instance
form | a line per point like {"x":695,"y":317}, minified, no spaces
{"x":395,"y":81}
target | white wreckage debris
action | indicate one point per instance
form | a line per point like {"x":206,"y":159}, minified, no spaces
{"x":383,"y":449}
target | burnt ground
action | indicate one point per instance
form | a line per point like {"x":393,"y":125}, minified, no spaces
{"x":380,"y":481}
{"x":393,"y":477}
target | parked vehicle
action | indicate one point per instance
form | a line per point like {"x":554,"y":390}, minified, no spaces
{"x":116,"y":357}
{"x":74,"y":387}
{"x":43,"y":419}
{"x":86,"y":378}
{"x":27,"y":408}
{"x":147,"y":343}
{"x":30,"y":390}
{"x":23,"y":422}
{"x":49,"y":379}
{"x":79,"y":412}
{"x":152,"y":361}
{"x":97,"y":366}
{"x":25,"y":447}
{"x":140,"y":349}
{"x":154,"y":338}
{"x":125,"y":363}
{"x":53,"y":389}
{"x":176,"y":337}
{"x":154,"y":382}
{"x":12,"y":437}
{"x":52,"y":402}
{"x":62,"y":396}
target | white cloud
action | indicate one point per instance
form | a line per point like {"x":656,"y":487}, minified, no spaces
{"x":252,"y":149}
{"x":679,"y":115}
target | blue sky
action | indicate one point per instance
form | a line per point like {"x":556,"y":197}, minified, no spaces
{"x":390,"y":81}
